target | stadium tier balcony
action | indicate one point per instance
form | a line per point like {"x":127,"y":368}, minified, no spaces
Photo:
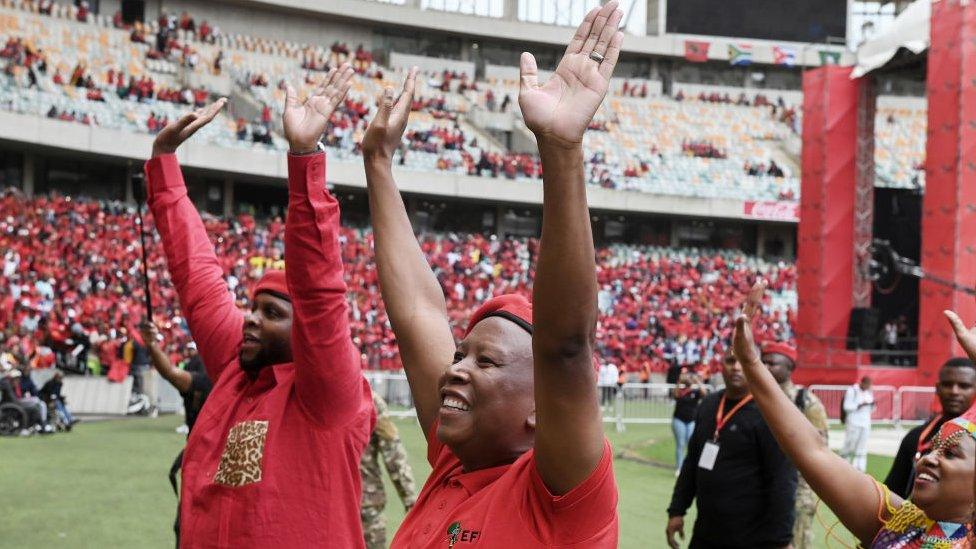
{"x":704,"y":143}
{"x":81,"y":281}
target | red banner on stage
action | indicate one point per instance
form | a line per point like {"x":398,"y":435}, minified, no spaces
{"x":772,"y":211}
{"x":825,"y":262}
{"x":948,"y":218}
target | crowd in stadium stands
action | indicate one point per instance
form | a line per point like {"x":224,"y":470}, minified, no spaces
{"x":761,"y":168}
{"x":71,"y":116}
{"x":72,"y":287}
{"x":491,"y":102}
{"x":633,"y":90}
{"x":702,"y":149}
{"x":713,"y":160}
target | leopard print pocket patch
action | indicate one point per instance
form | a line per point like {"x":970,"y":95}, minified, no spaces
{"x":240,"y":463}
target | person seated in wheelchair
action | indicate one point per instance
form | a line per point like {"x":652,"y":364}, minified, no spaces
{"x":51,"y":394}
{"x":14,"y":418}
{"x":20,"y":389}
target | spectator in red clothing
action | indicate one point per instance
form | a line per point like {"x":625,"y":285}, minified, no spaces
{"x":186,"y":22}
{"x":205,"y":31}
{"x":520,"y":390}
{"x":290,"y":413}
{"x":83,"y":11}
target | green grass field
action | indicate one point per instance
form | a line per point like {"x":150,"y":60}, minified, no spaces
{"x":105,"y":485}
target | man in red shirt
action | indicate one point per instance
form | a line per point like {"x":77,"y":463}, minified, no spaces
{"x":273,"y":460}
{"x":513,"y":427}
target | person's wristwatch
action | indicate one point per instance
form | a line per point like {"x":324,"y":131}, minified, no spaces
{"x":319,"y":147}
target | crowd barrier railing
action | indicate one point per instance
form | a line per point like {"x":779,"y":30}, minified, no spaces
{"x":630,"y":403}
{"x":651,"y":403}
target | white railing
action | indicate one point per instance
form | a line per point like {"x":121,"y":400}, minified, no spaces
{"x":651,"y":403}
{"x":906,"y":404}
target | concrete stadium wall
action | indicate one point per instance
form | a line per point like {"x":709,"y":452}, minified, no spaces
{"x":271,"y":167}
{"x":258,"y":20}
{"x":352,"y":21}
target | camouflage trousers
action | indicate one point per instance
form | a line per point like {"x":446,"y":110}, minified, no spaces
{"x":374,"y":527}
{"x":806,"y":508}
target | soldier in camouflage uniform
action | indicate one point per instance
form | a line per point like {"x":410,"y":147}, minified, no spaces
{"x":385,"y":445}
{"x":781,"y":360}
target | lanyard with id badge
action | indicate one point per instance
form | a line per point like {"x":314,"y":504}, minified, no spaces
{"x":710,"y":450}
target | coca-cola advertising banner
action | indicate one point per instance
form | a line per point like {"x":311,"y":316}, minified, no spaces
{"x":773,"y":211}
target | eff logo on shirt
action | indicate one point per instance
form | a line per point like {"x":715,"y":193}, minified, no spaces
{"x":455,"y":534}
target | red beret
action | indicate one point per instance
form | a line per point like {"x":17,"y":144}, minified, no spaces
{"x":777,"y":347}
{"x":274,"y":283}
{"x":510,"y":306}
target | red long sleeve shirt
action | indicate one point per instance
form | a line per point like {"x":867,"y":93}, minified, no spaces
{"x":272,"y":461}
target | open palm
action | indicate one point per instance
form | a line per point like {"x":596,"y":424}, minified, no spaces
{"x":305,"y":122}
{"x":178,"y":131}
{"x":743,"y":343}
{"x":965,"y":336}
{"x":563,"y":107}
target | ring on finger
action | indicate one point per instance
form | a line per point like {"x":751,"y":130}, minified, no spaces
{"x":597,"y":56}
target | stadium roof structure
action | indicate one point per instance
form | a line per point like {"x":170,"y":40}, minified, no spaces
{"x":909,"y":31}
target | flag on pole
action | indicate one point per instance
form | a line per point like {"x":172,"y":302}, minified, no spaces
{"x":696,"y":51}
{"x":740,"y":55}
{"x":829,"y":57}
{"x":784,"y":56}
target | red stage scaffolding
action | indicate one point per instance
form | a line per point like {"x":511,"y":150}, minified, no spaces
{"x":837,"y":201}
{"x":825,"y":263}
{"x":949,"y":205}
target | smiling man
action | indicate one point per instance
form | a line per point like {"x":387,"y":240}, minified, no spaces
{"x":511,"y":413}
{"x":955,"y":390}
{"x":273,"y":460}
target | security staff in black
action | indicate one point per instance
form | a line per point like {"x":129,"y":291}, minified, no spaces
{"x":743,"y":483}
{"x":192,"y":383}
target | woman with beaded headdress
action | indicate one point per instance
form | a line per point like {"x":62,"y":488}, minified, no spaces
{"x":939,"y":512}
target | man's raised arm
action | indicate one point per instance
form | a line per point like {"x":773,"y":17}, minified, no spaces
{"x":414,"y":299}
{"x":328,"y":372}
{"x":569,"y":441}
{"x":214,"y":319}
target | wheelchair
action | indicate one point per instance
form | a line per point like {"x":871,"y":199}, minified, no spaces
{"x":14,"y":418}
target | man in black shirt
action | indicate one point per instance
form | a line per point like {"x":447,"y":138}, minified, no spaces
{"x":955,"y":390}
{"x":743,"y":483}
{"x":192,"y":383}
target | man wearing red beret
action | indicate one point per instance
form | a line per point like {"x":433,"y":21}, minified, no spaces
{"x":273,"y":460}
{"x":513,"y":427}
{"x":780,"y":359}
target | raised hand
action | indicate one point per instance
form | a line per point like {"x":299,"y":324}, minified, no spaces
{"x":965,"y":336}
{"x":562,"y":108}
{"x":743,"y":344}
{"x":175,"y":133}
{"x":305,"y":123}
{"x":386,"y":129}
{"x":149,"y":333}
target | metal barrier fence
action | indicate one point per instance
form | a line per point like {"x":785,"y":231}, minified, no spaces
{"x":892,"y":405}
{"x":915,"y":404}
{"x":395,"y":390}
{"x":651,"y":403}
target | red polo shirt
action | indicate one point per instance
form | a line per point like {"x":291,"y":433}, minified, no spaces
{"x":272,"y":461}
{"x":508,"y":506}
